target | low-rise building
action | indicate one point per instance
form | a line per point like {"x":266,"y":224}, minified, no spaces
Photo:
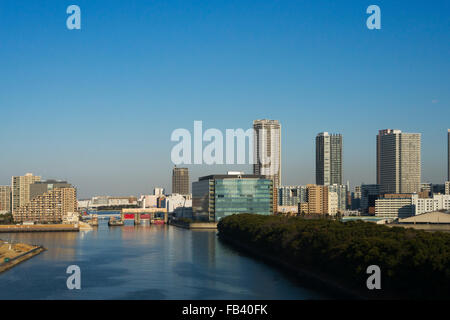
{"x":395,"y":206}
{"x":437,"y":202}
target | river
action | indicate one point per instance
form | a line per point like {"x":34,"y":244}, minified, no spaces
{"x":144,"y":262}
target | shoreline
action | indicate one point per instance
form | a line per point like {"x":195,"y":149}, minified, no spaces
{"x":21,"y":258}
{"x":312,"y":279}
{"x":195,"y":225}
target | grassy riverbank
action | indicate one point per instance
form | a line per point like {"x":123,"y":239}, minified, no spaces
{"x":413,"y":263}
{"x":11,"y":254}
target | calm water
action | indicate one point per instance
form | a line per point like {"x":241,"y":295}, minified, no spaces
{"x":144,"y":262}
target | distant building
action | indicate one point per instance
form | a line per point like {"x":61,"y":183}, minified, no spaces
{"x":426,"y":188}
{"x":447,"y":188}
{"x":398,"y":161}
{"x":428,"y":218}
{"x":328,"y":159}
{"x":20,"y":189}
{"x":394,"y":206}
{"x":333,"y":203}
{"x":148,"y":201}
{"x":341,"y":191}
{"x":267,"y":152}
{"x":180,"y":181}
{"x":448,"y":153}
{"x":53,"y":206}
{"x":40,"y":187}
{"x":5,"y":199}
{"x":356,"y":198}
{"x":288,"y":210}
{"x":438,"y":189}
{"x":179,"y":206}
{"x":158,"y":191}
{"x":437,"y":202}
{"x":369,"y":193}
{"x":292,"y":195}
{"x":317,"y":200}
{"x":217,"y":196}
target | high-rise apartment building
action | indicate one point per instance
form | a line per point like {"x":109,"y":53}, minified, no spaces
{"x":292,"y":195}
{"x":20,"y":189}
{"x":180,"y":180}
{"x":317,"y":200}
{"x":5,"y":198}
{"x":267,"y":152}
{"x":398,"y":161}
{"x":50,"y":207}
{"x":38,"y":188}
{"x":328,"y":159}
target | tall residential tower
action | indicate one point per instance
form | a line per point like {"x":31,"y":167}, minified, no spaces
{"x":20,"y":189}
{"x":328,"y":159}
{"x":398,"y":161}
{"x":180,"y":181}
{"x":267,"y":153}
{"x":448,"y":153}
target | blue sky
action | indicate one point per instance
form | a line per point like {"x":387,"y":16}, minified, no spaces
{"x":97,"y":106}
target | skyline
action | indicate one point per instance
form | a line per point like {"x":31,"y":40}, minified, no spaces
{"x":225,"y":168}
{"x":97,"y":106}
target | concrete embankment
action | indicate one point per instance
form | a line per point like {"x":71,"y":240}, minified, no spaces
{"x":12,"y":256}
{"x":195,"y":225}
{"x":39,"y":228}
{"x":312,"y":278}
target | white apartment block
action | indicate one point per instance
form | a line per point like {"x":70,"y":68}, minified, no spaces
{"x":393,"y":208}
{"x":409,"y":206}
{"x":438,"y":202}
{"x":333,"y":203}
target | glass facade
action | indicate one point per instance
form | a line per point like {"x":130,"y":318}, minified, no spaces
{"x":234,"y":196}
{"x":218,"y":197}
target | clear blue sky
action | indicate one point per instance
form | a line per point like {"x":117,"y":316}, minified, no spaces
{"x":97,"y":106}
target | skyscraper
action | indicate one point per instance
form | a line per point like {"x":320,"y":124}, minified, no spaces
{"x":20,"y":189}
{"x":180,"y":180}
{"x":398,"y":161}
{"x":328,"y":159}
{"x":267,"y":152}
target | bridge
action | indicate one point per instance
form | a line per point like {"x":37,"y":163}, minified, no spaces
{"x":152,"y":215}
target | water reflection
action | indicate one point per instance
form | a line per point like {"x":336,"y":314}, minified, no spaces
{"x":144,"y":262}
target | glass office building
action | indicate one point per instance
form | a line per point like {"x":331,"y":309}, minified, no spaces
{"x":218,"y":196}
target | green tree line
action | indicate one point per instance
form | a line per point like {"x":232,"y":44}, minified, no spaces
{"x":413,"y":263}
